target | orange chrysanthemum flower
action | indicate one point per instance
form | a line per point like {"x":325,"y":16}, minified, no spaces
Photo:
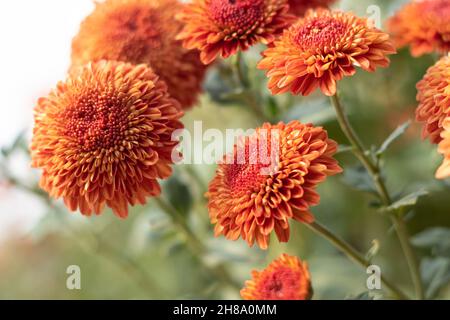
{"x":142,"y":31}
{"x":423,"y":25}
{"x":322,"y":48}
{"x":434,"y":110}
{"x":434,"y":99}
{"x":299,"y":7}
{"x":222,"y":27}
{"x":444,"y":148}
{"x":286,"y":278}
{"x":104,"y":137}
{"x":257,"y":191}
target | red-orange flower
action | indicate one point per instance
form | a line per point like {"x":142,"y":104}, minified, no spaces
{"x":444,"y":148}
{"x":104,"y":137}
{"x":443,"y":171}
{"x":142,"y":31}
{"x":434,"y":99}
{"x":322,"y":48}
{"x":423,"y":25}
{"x":257,"y":190}
{"x":286,"y":278}
{"x":222,"y":27}
{"x":299,"y":7}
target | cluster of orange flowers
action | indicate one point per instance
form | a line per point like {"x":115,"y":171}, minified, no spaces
{"x":434,"y":110}
{"x":424,"y":27}
{"x":103,"y":137}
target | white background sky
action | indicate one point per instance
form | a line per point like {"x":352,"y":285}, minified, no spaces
{"x":35,"y":40}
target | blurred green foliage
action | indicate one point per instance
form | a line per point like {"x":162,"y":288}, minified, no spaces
{"x":145,"y":256}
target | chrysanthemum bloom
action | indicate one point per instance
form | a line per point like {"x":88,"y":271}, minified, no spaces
{"x":251,"y":196}
{"x":222,"y":27}
{"x":286,"y":278}
{"x":444,"y":148}
{"x":322,"y":48}
{"x":103,"y":137}
{"x":299,"y":7}
{"x":423,"y":25}
{"x":142,"y":31}
{"x":434,"y":99}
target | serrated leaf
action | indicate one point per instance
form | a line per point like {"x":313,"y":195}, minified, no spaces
{"x":436,"y":239}
{"x":408,"y":201}
{"x":397,"y":133}
{"x":435,"y":274}
{"x":358,"y":178}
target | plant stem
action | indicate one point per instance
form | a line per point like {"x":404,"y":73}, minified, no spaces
{"x":374,"y":171}
{"x":95,"y":246}
{"x":354,"y":255}
{"x":402,"y":232}
{"x":359,"y":150}
{"x":248,"y":94}
{"x":243,"y":80}
{"x":194,"y":243}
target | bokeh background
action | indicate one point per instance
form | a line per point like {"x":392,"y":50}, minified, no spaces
{"x":145,"y":256}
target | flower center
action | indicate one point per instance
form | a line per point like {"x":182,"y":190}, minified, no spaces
{"x":244,"y":177}
{"x":246,"y":173}
{"x":236,"y":14}
{"x":253,"y":162}
{"x":320,"y":32}
{"x":96,"y":121}
{"x":283,"y":283}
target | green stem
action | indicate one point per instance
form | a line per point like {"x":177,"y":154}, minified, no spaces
{"x":245,"y":84}
{"x":354,"y":255}
{"x":374,"y":171}
{"x":243,"y":79}
{"x":129,"y":266}
{"x":402,"y":232}
{"x":95,"y":246}
{"x":359,"y":150}
{"x":194,"y":243}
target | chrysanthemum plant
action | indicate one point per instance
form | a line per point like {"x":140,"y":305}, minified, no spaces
{"x":102,"y":138}
{"x":314,"y":53}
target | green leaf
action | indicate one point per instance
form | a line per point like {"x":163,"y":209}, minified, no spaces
{"x":397,"y":133}
{"x":178,"y":194}
{"x":362,"y":296}
{"x":317,"y":111}
{"x":272,"y":106}
{"x":436,"y":239}
{"x":408,"y":201}
{"x":219,"y":86}
{"x":435,"y":275}
{"x":358,"y":178}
